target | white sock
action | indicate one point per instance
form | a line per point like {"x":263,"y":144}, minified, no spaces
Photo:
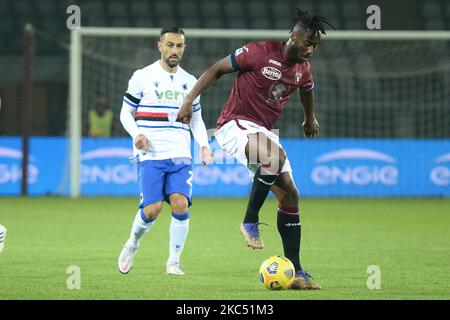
{"x":140,"y":227}
{"x":179,"y":227}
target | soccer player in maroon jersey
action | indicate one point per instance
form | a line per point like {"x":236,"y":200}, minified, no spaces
{"x":269,"y":72}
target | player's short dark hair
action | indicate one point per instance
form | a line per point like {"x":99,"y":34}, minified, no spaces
{"x":313,"y":22}
{"x":171,"y":30}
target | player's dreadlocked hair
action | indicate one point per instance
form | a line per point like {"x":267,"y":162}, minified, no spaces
{"x":314,"y":23}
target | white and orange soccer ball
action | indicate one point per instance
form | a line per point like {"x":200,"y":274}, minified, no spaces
{"x":277,"y":273}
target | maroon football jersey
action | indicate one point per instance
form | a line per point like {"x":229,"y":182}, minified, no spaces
{"x":264,"y":83}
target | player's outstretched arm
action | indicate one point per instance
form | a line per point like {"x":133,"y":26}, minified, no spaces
{"x":310,"y":125}
{"x":211,"y":74}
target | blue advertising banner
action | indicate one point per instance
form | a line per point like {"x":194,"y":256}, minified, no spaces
{"x":321,"y":168}
{"x":361,"y":167}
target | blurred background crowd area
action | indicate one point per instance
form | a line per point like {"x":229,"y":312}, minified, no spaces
{"x":52,"y":39}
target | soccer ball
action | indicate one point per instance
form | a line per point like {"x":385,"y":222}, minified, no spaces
{"x":277,"y":273}
{"x":2,"y":237}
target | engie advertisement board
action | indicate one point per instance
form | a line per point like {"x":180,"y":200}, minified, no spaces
{"x":321,"y":168}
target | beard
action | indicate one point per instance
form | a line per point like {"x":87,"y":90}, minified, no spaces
{"x":172,"y":62}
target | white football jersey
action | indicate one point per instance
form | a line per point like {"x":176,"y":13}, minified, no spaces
{"x":157,"y":96}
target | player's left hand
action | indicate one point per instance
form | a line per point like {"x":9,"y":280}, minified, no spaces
{"x":311,"y":128}
{"x":206,"y":155}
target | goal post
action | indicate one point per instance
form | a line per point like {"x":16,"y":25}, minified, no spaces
{"x":369,"y":75}
{"x":75,"y":111}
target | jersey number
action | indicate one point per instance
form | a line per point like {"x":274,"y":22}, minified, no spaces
{"x":189,"y":180}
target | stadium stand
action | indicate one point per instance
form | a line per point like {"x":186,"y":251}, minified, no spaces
{"x":49,"y":19}
{"x":50,"y":16}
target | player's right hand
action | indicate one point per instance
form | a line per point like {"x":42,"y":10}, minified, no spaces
{"x":185,"y":112}
{"x":141,"y":142}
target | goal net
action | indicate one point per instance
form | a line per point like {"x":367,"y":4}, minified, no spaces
{"x":367,"y":84}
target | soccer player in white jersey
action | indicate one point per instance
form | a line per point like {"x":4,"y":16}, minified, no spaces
{"x":2,"y":237}
{"x":162,"y":146}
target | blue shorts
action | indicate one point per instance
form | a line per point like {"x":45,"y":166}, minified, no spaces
{"x":158,"y":179}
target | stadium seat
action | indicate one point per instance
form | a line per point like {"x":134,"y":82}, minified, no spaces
{"x":260,"y":23}
{"x":234,"y":8}
{"x":4,"y":7}
{"x":258,"y":15}
{"x":236,"y":15}
{"x":190,"y":22}
{"x":213,"y":22}
{"x":447,"y":10}
{"x":45,"y":8}
{"x":210,"y":8}
{"x":329,"y":10}
{"x":23,"y":8}
{"x":435,"y":24}
{"x":95,"y":20}
{"x":165,"y":14}
{"x":143,"y":22}
{"x":187,"y":9}
{"x":7,"y":25}
{"x":118,"y":10}
{"x":284,"y":16}
{"x":167,"y":21}
{"x":93,"y":8}
{"x":431,"y":9}
{"x":140,"y":9}
{"x":211,"y":14}
{"x":163,"y":8}
{"x":433,"y":15}
{"x":93,"y":13}
{"x":352,"y":24}
{"x":257,"y":8}
{"x":119,"y":22}
{"x":351,"y":9}
{"x":51,"y":25}
{"x":307,"y":5}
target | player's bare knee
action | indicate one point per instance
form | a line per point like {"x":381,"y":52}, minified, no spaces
{"x":179,"y":204}
{"x":152,"y":210}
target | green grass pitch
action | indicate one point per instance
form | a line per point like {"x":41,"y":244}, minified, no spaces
{"x":409,"y":239}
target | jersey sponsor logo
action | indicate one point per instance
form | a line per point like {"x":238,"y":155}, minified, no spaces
{"x":355,"y":167}
{"x":170,"y":95}
{"x":271,"y":73}
{"x":275,"y":62}
{"x":297,"y":78}
{"x":440,"y":174}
